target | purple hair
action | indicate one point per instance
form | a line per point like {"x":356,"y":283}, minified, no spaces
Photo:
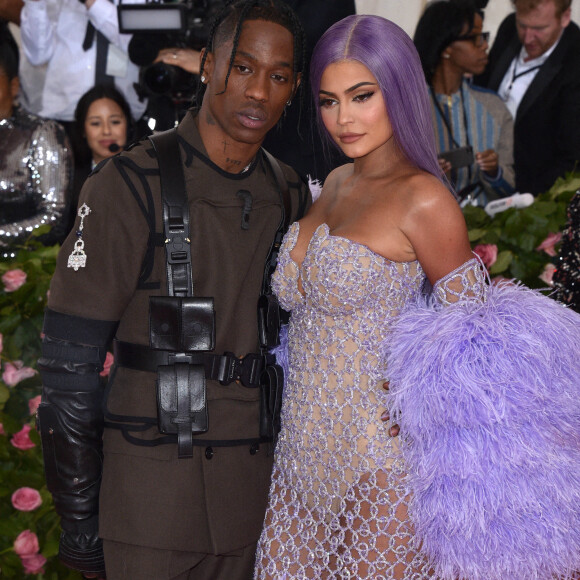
{"x":390,"y":55}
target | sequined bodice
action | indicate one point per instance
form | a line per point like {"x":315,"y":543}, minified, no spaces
{"x":338,"y":501}
{"x":340,"y":276}
{"x":333,"y":437}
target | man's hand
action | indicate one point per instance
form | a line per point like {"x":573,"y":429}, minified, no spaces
{"x":185,"y":58}
{"x":488,"y":161}
{"x":83,"y":552}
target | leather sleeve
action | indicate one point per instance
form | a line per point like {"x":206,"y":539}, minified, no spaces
{"x":70,"y":422}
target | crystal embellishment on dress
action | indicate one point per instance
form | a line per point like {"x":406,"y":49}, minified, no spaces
{"x":78,"y":258}
{"x":338,"y":500}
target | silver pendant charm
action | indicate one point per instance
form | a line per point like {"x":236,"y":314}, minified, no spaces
{"x":78,"y":258}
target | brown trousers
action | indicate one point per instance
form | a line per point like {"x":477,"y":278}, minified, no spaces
{"x":127,"y":562}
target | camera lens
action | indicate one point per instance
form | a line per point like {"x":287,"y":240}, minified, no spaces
{"x":159,"y":78}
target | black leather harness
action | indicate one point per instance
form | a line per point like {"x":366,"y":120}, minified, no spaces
{"x":180,"y":354}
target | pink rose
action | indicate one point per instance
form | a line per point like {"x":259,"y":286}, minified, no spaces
{"x":21,"y":440}
{"x":548,"y":244}
{"x":26,"y":544}
{"x":34,"y":564}
{"x":548,"y":273}
{"x":26,"y":499}
{"x":1,"y":342}
{"x":2,"y":432}
{"x":33,"y":404}
{"x":16,"y":372}
{"x":488,"y":254}
{"x":13,"y":279}
{"x":109,"y":360}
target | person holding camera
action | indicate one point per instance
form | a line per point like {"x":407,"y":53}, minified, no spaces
{"x":169,"y":62}
{"x":165,"y":474}
{"x":80,"y":42}
{"x":474,"y":129}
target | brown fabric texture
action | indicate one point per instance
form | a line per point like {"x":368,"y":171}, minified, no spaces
{"x":149,"y":497}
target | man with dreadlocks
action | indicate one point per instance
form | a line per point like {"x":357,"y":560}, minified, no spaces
{"x":166,"y":470}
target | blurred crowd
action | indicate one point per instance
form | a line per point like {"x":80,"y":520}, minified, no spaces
{"x":88,"y":77}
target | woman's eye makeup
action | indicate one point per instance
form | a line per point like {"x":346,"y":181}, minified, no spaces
{"x":361,"y":97}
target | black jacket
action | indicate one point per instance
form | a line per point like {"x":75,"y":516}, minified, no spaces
{"x":546,"y":129}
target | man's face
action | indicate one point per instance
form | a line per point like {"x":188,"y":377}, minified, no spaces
{"x":259,"y":85}
{"x":8,"y":91}
{"x":539,"y":28}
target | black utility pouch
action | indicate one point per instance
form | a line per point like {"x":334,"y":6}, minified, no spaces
{"x":181,"y":403}
{"x":181,"y":324}
{"x":185,"y":326}
{"x":271,"y":386}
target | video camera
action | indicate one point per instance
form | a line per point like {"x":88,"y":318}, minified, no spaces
{"x":156,"y":25}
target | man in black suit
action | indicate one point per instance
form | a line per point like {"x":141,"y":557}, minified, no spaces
{"x":534,"y":65}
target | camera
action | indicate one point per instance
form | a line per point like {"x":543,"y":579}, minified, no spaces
{"x":459,"y":157}
{"x":156,"y":25}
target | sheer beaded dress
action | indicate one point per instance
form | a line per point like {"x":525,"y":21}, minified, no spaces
{"x":338,"y":501}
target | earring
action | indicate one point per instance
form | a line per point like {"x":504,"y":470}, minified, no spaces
{"x":288,"y":102}
{"x":202,"y":78}
{"x":446,"y":55}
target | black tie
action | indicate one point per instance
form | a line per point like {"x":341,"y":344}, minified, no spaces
{"x":101,"y":76}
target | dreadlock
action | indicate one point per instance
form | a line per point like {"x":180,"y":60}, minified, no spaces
{"x":228,"y":23}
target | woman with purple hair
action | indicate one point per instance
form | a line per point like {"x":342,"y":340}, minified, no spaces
{"x":467,"y":463}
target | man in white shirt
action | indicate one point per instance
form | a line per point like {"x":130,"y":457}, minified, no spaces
{"x":534,"y":65}
{"x":80,"y":43}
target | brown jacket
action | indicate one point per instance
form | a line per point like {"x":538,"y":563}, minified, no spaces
{"x":149,"y":497}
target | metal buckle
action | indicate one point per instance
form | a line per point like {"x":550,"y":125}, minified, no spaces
{"x":245,"y":370}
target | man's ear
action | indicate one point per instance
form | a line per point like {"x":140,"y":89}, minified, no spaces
{"x":297,"y":84}
{"x":208,"y":65}
{"x":566,"y":17}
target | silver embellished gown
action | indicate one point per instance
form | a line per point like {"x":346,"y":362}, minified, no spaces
{"x":338,"y":503}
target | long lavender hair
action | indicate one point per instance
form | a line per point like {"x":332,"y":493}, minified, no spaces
{"x":389,"y":54}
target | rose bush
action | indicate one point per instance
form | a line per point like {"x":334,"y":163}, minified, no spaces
{"x":26,"y":544}
{"x":16,"y":372}
{"x":29,"y":526}
{"x":526,"y":238}
{"x":26,"y":499}
{"x":487,"y":253}
{"x":13,"y":279}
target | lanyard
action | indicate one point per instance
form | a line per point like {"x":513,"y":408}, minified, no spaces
{"x":446,"y":120}
{"x":516,"y":75}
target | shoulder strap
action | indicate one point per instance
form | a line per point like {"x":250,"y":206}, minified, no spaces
{"x":269,"y":315}
{"x":175,"y":214}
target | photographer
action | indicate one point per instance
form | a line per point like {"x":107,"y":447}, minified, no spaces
{"x":80,"y":43}
{"x":170,"y":61}
{"x":473,"y":128}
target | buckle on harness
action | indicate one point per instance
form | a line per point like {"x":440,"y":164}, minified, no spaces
{"x":246,"y":370}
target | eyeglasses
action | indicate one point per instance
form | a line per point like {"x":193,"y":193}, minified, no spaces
{"x":477,"y":39}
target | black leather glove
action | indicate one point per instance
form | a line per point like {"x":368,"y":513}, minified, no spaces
{"x":70,"y":422}
{"x":83,"y":552}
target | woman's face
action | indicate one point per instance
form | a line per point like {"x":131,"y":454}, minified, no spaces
{"x":105,"y":125}
{"x":352,"y":108}
{"x":470,"y":54}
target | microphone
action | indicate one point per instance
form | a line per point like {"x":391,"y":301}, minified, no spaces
{"x":113,"y":148}
{"x":517,"y":200}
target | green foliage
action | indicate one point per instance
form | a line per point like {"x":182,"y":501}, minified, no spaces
{"x":21,"y":316}
{"x":518,"y":232}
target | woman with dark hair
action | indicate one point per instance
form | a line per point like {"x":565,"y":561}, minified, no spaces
{"x":103,"y":126}
{"x":406,"y":478}
{"x":474,"y":130}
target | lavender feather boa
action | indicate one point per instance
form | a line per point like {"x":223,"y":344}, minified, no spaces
{"x":488,"y":400}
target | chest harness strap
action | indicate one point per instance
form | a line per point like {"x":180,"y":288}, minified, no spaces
{"x":182,"y":327}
